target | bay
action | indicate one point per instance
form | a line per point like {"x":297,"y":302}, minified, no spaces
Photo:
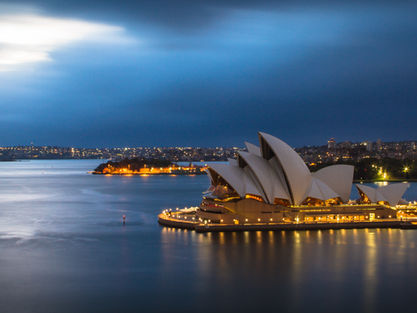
{"x":63,"y":248}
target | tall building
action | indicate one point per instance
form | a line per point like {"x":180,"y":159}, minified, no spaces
{"x":379,"y":144}
{"x":345,"y":145}
{"x":369,"y":145}
{"x":331,"y":143}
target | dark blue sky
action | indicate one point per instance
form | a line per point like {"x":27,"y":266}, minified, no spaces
{"x":206,"y":73}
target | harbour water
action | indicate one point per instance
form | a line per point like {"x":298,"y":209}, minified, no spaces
{"x":63,"y":248}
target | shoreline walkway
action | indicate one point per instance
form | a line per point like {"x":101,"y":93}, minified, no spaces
{"x":177,"y":222}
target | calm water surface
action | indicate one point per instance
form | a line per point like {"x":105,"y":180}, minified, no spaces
{"x":63,"y":249}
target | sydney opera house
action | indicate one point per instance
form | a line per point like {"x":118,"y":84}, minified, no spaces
{"x":271,"y":184}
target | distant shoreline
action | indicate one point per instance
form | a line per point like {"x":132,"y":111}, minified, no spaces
{"x":392,"y":180}
{"x":145,"y":175}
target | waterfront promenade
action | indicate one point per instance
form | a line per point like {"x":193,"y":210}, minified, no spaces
{"x":187,"y":220}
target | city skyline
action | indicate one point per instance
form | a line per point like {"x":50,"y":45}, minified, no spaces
{"x":332,"y":152}
{"x":330,"y":141}
{"x":180,"y":73}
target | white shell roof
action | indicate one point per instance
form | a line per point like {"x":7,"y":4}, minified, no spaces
{"x":296,"y":171}
{"x":257,"y":190}
{"x":232,"y":162}
{"x":266,"y":176}
{"x":391,"y":193}
{"x":320,"y":190}
{"x":253,"y":148}
{"x":394,"y":192}
{"x":275,"y":170}
{"x":338,"y":177}
{"x":279,"y":173}
{"x":371,"y":193}
{"x":236,"y":178}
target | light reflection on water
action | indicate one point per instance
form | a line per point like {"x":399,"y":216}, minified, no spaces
{"x":63,"y":249}
{"x":349,"y":268}
{"x":353,"y":269}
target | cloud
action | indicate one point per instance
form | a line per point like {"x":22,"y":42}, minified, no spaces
{"x":204,"y":65}
{"x":32,"y":38}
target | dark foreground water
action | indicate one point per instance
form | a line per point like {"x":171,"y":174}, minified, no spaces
{"x":63,"y":249}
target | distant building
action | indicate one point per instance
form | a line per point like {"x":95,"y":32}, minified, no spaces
{"x":379,"y":144}
{"x":345,"y":145}
{"x":369,"y":145}
{"x":331,"y":143}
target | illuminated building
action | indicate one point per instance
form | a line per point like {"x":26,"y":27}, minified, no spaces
{"x":271,"y":184}
{"x":152,"y":170}
{"x":331,"y":143}
{"x":276,"y":174}
{"x":390,"y":194}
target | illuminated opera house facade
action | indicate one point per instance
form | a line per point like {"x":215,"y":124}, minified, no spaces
{"x":271,"y":184}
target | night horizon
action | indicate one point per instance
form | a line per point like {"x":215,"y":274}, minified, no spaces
{"x":240,"y":146}
{"x":191,"y":74}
